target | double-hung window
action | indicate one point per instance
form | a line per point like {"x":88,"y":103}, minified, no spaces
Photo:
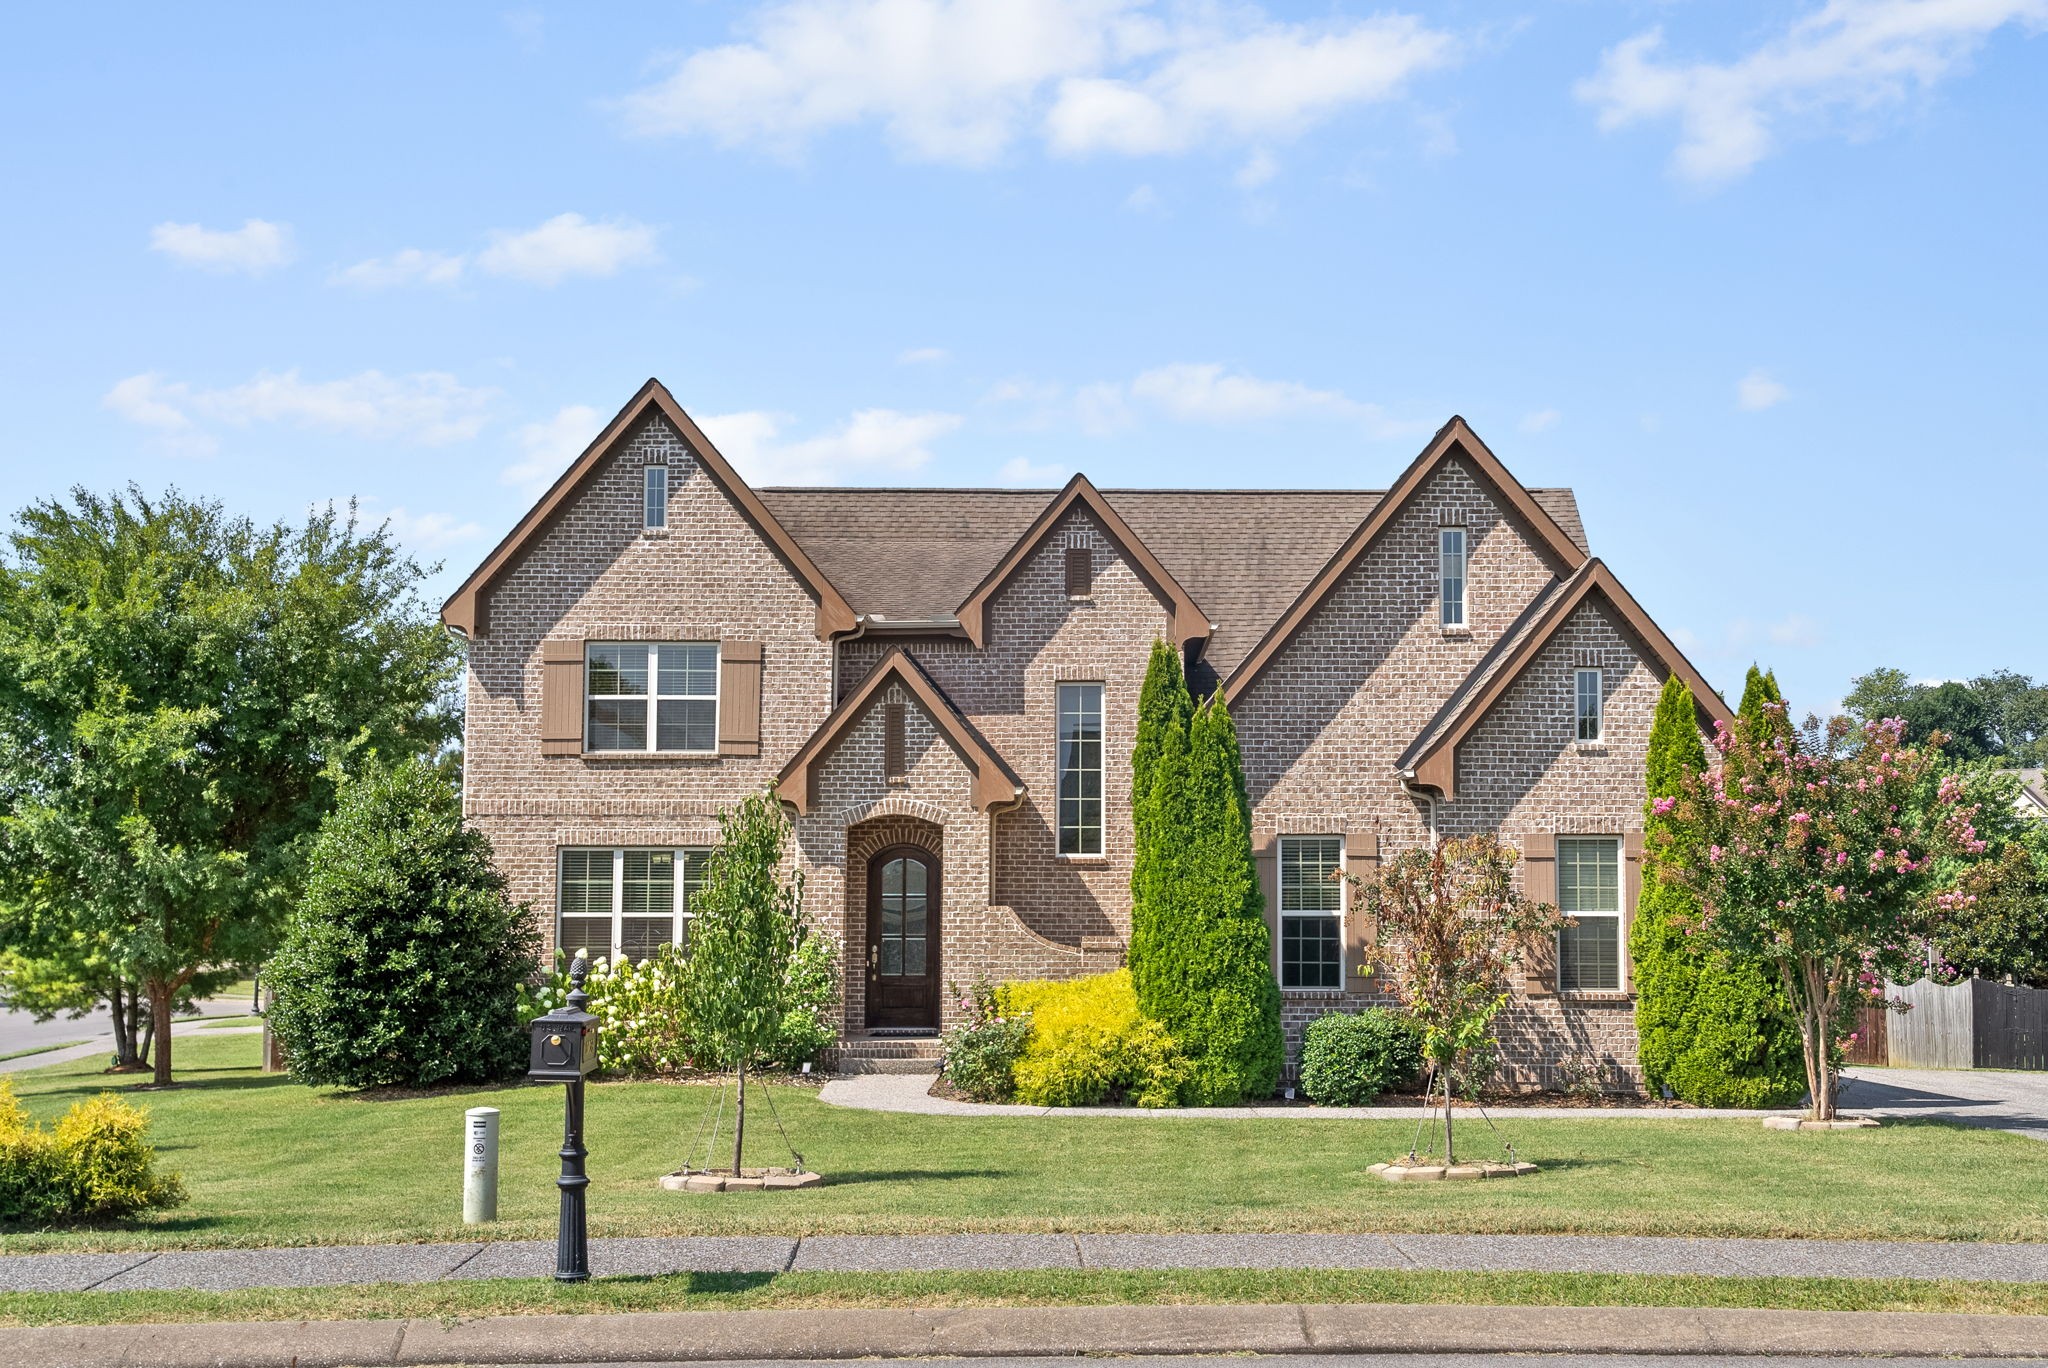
{"x":1589,"y":892}
{"x":1311,"y":912}
{"x":654,"y":489}
{"x":651,"y":696}
{"x":625,"y":903}
{"x":1587,"y":692}
{"x":1450,"y":549}
{"x":1080,"y":763}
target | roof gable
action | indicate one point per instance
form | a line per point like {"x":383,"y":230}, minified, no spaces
{"x":1455,"y":440}
{"x":1432,"y":757}
{"x":995,"y":783}
{"x":467,"y":609}
{"x":1189,"y":621}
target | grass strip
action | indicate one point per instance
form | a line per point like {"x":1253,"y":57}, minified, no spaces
{"x":1185,"y":1287}
{"x":43,"y":1049}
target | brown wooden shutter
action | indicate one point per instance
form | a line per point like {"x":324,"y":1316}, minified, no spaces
{"x":1361,"y":861}
{"x":1631,"y":889}
{"x":561,"y":697}
{"x":1266,"y":859}
{"x":739,"y":697}
{"x":1080,"y":572}
{"x":1539,"y":882}
{"x":892,"y":741}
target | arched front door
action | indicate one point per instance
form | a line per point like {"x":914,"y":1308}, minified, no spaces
{"x":903,"y":938}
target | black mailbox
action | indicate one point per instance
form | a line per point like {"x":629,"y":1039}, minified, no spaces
{"x":565,"y":1040}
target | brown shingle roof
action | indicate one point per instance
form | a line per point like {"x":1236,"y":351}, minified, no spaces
{"x":916,"y":553}
{"x":1243,"y":554}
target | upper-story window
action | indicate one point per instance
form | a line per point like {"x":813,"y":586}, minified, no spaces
{"x":625,"y":903}
{"x":656,"y":501}
{"x":1080,"y":762}
{"x":1311,"y":912}
{"x":675,"y":682}
{"x":1587,"y":691}
{"x":1589,"y":892}
{"x":1450,"y":542}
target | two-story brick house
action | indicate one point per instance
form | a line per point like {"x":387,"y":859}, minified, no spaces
{"x":942,"y":685}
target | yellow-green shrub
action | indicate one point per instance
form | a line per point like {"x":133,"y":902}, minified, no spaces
{"x":96,"y":1163}
{"x":1088,"y":1043}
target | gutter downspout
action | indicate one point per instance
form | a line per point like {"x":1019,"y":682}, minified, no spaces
{"x":1407,"y":778}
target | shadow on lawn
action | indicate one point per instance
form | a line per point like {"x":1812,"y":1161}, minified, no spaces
{"x":845,"y":1177}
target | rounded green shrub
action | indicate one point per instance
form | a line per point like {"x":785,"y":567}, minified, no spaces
{"x":981,"y":1053}
{"x":1349,"y":1059}
{"x":403,"y":961}
{"x":1089,"y":1044}
{"x":95,"y":1164}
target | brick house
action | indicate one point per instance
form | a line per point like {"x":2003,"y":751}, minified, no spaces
{"x":942,"y":686}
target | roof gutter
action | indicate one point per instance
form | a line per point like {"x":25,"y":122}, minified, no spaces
{"x":1407,"y":778}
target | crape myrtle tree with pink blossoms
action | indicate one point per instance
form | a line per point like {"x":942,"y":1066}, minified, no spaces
{"x":1820,"y":854}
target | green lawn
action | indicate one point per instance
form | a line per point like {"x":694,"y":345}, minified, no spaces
{"x":822,"y":1291}
{"x":269,"y":1162}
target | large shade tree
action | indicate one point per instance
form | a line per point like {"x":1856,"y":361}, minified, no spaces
{"x":179,"y":691}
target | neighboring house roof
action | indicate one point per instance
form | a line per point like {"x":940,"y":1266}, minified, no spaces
{"x":1455,"y":440}
{"x":1432,"y":757}
{"x":1189,"y":621}
{"x":995,"y":783}
{"x":2034,"y":791}
{"x":1243,"y":554}
{"x":467,"y":610}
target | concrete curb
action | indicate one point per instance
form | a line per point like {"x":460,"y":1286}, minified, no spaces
{"x":979,"y":1332}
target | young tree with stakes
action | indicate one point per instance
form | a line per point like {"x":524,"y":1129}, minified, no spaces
{"x":747,"y":925}
{"x":1452,"y":929}
{"x":1823,"y":854}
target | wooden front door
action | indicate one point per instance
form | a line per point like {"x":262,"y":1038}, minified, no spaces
{"x":903,"y":938}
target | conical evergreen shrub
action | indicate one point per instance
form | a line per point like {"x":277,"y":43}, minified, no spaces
{"x":1716,"y":1032}
{"x":1164,"y":710}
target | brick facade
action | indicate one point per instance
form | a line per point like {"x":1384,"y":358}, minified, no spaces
{"x":1321,"y":724}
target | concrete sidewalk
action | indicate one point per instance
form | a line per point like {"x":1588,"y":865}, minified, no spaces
{"x":221,"y":1270}
{"x":1065,"y":1331}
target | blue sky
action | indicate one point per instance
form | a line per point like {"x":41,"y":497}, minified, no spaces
{"x":1763,"y":281}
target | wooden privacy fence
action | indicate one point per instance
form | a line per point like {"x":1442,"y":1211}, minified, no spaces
{"x":1975,"y":1024}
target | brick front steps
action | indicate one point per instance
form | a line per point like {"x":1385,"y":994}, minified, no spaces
{"x":889,"y":1055}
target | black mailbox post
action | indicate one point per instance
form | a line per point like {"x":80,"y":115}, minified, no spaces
{"x":564,"y":1050}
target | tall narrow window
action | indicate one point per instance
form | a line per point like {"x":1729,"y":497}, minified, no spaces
{"x":678,"y":680}
{"x":618,"y":903}
{"x":1080,"y":760}
{"x":1451,"y":575}
{"x":1589,"y":892}
{"x":1588,"y":691}
{"x":657,"y":496}
{"x":1311,"y":912}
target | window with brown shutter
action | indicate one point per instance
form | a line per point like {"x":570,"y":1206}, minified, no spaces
{"x":1080,"y":572}
{"x":892,"y":741}
{"x":739,"y":697}
{"x":561,"y":697}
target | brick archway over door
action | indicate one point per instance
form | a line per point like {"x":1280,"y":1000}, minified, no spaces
{"x":863,"y":841}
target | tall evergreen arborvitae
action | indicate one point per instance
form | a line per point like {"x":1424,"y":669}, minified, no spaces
{"x":1210,"y":979}
{"x":1716,"y":1032}
{"x":1760,"y":687}
{"x":1164,"y":710}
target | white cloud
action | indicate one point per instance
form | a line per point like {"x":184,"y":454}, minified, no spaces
{"x":568,"y":245}
{"x":1192,"y":392}
{"x":427,"y":408}
{"x":1142,"y":200}
{"x":960,"y":81}
{"x":922,"y":356}
{"x":1020,"y":472}
{"x":252,"y":249}
{"x":872,"y":442}
{"x":1740,"y":637}
{"x":429,"y":532}
{"x":1257,"y":170}
{"x":1542,"y":420}
{"x":546,"y":448}
{"x":1796,"y":631}
{"x":1756,"y":392}
{"x":1850,"y":57}
{"x":411,"y":266}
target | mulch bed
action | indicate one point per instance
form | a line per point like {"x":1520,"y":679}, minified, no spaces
{"x":942,"y":1087}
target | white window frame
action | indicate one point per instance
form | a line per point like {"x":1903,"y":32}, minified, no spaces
{"x":653,"y":698}
{"x":1334,"y":914}
{"x":653,"y":511}
{"x":1059,"y":762}
{"x":1446,"y":605}
{"x":1580,"y":717}
{"x":1620,"y":985}
{"x":679,"y":932}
